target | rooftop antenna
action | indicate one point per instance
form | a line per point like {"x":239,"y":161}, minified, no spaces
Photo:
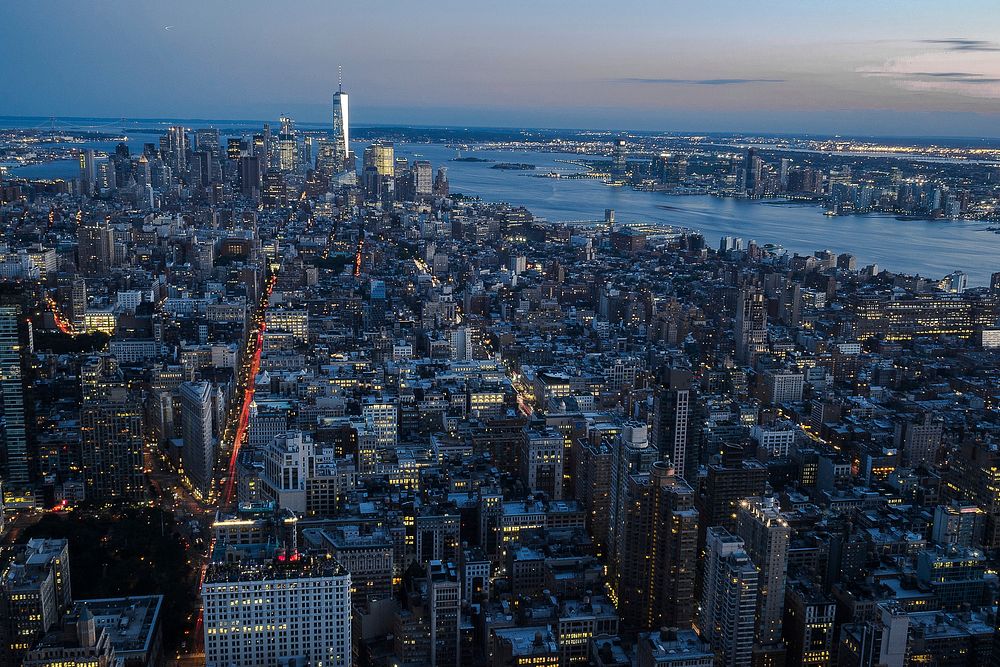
{"x":340,"y":78}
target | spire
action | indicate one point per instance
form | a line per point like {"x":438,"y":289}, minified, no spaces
{"x":340,"y":78}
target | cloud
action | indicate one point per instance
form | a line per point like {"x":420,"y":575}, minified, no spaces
{"x":959,"y":44}
{"x":696,"y":82}
{"x":967,"y":68}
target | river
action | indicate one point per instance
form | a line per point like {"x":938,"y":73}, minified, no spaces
{"x":931,"y":248}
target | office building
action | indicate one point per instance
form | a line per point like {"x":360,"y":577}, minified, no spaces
{"x":381,"y":156}
{"x":95,"y":248}
{"x":289,"y":609}
{"x":199,"y":448}
{"x":726,"y":485}
{"x":341,"y":129}
{"x":426,"y":629}
{"x":542,"y":463}
{"x":751,"y":325}
{"x":134,"y":626}
{"x":959,"y":524}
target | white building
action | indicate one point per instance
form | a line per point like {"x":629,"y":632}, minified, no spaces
{"x":290,"y":610}
{"x":729,"y":598}
{"x":776,"y":441}
{"x":783,"y":386}
{"x":382,"y":418}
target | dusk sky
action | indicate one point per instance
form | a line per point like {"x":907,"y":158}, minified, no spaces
{"x":910,"y":67}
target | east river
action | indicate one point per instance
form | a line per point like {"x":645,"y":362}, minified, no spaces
{"x":929,"y":247}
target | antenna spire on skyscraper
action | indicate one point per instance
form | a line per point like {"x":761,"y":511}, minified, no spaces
{"x":340,"y":78}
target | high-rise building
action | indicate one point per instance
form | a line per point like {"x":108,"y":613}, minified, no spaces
{"x":659,"y":553}
{"x":423,"y":178}
{"x":959,"y":524}
{"x":289,"y":609}
{"x":918,"y":438}
{"x":35,"y":592}
{"x":878,"y":642}
{"x":341,"y":129}
{"x":207,"y":139}
{"x":671,"y":410}
{"x":249,"y":174}
{"x":592,"y":484}
{"x":382,"y":417}
{"x":766,"y":534}
{"x":728,"y":482}
{"x":111,"y":450}
{"x":542,"y":463}
{"x":444,"y":599}
{"x":441,"y":187}
{"x":174,"y":148}
{"x":808,"y":626}
{"x":729,"y":597}
{"x":751,"y":325}
{"x":632,"y":454}
{"x":79,"y":642}
{"x":198,"y":450}
{"x":95,"y":248}
{"x":619,"y":165}
{"x":382,"y":156}
{"x":235,"y":148}
{"x":288,"y":147}
{"x":15,"y":342}
{"x":427,"y":629}
{"x":88,"y":170}
{"x":974,"y":476}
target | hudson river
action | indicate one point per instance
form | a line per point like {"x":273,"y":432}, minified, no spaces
{"x":930,"y":248}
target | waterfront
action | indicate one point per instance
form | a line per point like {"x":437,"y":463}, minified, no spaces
{"x":932,"y":248}
{"x":929,"y":247}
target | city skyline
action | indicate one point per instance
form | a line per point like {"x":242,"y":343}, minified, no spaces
{"x":465,"y":386}
{"x":895,"y":70}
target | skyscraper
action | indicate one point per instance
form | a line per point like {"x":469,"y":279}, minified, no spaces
{"x":751,"y":325}
{"x":659,"y":552}
{"x":288,"y":148}
{"x":198,"y":452}
{"x":382,"y":156}
{"x":671,"y":408}
{"x":423,"y":178}
{"x":632,"y":454}
{"x":729,"y":597}
{"x":88,"y":171}
{"x":341,"y":128}
{"x":766,"y":534}
{"x":174,"y":147}
{"x":111,"y":439}
{"x":95,"y":248}
{"x":619,"y":165}
{"x":14,"y":341}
